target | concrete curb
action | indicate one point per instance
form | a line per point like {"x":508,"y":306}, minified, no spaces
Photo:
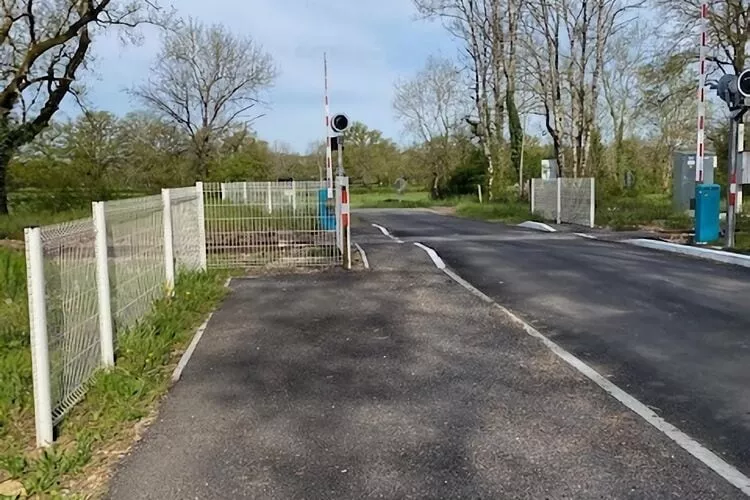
{"x":363,"y":255}
{"x":702,"y":253}
{"x":177,"y":373}
{"x":539,"y":226}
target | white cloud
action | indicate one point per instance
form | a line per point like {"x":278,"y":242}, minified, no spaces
{"x":369,"y":45}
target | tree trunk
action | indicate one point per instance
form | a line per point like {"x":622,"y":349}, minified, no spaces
{"x":515,"y":129}
{"x":4,"y":160}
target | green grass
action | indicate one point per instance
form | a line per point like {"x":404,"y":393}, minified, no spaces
{"x":511,"y":211}
{"x":15,"y":357}
{"x":116,"y":400}
{"x":410,"y":199}
{"x":391,"y":199}
{"x":630,"y":213}
{"x":11,"y":226}
{"x":227,"y":216}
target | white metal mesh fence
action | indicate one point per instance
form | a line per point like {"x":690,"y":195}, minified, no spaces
{"x":544,"y":198}
{"x":577,"y":201}
{"x":72,"y":310}
{"x":186,"y":227}
{"x":135,"y":240}
{"x":249,"y":224}
{"x":565,"y":199}
{"x":89,"y":277}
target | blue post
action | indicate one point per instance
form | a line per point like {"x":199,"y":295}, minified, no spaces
{"x":326,"y":211}
{"x":707,"y":204}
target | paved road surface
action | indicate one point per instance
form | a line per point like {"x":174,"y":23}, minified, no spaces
{"x":395,"y":383}
{"x":673,"y":331}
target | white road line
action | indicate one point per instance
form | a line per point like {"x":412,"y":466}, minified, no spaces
{"x":177,"y":373}
{"x":433,"y":255}
{"x":587,"y":236}
{"x":363,"y":255}
{"x":539,"y":226}
{"x":687,"y":443}
{"x":386,"y":233}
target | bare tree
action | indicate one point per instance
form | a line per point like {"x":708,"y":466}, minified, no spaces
{"x":432,"y":107}
{"x":470,"y":21}
{"x":566,"y":43}
{"x":621,"y":84}
{"x":728,"y":30}
{"x":206,"y":79}
{"x":44,"y":44}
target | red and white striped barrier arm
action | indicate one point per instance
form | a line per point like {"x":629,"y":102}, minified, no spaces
{"x":700,"y":148}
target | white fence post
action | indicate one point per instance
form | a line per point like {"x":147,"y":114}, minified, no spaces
{"x":593,"y":203}
{"x":201,"y":225}
{"x":268,"y":196}
{"x":294,"y":197}
{"x":106,"y":336}
{"x":39,"y":343}
{"x":532,"y":195}
{"x":479,"y":191}
{"x":559,"y":200}
{"x":244,"y":191}
{"x":223,"y":191}
{"x":166,"y":200}
{"x":337,"y":212}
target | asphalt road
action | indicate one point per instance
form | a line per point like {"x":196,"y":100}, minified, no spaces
{"x":672,"y":331}
{"x":394,"y":383}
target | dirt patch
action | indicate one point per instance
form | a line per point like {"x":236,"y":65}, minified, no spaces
{"x":12,"y":244}
{"x":444,"y":210}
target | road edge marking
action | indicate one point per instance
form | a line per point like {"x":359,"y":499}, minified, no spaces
{"x":700,"y":253}
{"x":386,"y":232}
{"x":177,"y":372}
{"x":363,"y":255}
{"x":708,"y":458}
{"x":587,"y":236}
{"x":539,"y":226}
{"x":433,"y":255}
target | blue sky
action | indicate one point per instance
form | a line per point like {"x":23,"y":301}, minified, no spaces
{"x":370,"y":44}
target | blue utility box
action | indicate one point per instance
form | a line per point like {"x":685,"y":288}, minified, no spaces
{"x":326,"y":211}
{"x":707,"y":212}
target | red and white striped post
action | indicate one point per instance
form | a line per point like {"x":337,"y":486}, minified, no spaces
{"x":329,"y":161}
{"x":700,"y":147}
{"x":345,"y":222}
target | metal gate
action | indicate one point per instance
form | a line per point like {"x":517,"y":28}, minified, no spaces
{"x":269,"y":224}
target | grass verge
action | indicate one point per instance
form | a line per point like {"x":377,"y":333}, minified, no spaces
{"x":512,"y":211}
{"x":409,"y":199}
{"x":11,"y":226}
{"x":118,"y":402}
{"x":632,"y":213}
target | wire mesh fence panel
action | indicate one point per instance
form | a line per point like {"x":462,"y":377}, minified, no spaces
{"x":251,"y":224}
{"x":135,"y":240}
{"x":545,"y":198}
{"x":72,"y":310}
{"x":575,"y":201}
{"x":186,"y":227}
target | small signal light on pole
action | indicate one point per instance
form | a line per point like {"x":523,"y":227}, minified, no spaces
{"x":743,"y":83}
{"x":340,"y":123}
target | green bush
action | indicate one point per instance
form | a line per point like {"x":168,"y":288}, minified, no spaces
{"x":464,"y":180}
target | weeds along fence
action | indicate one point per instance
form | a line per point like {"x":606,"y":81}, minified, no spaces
{"x":569,"y":200}
{"x":90,"y":280}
